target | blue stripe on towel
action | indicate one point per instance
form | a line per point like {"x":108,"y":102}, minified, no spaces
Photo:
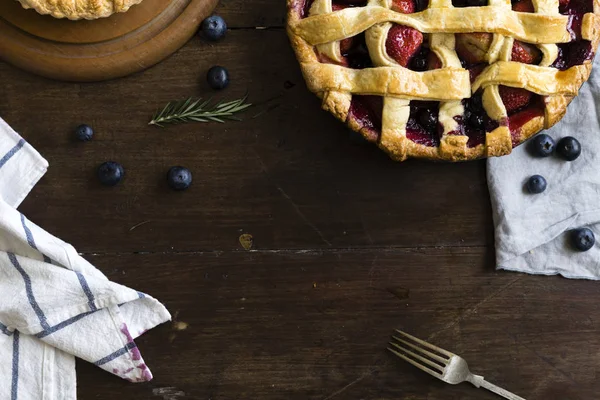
{"x":4,"y":329}
{"x":87,"y":291}
{"x":62,"y":325}
{"x":31,"y":240}
{"x":14,"y":392}
{"x":29,"y":289}
{"x":11,"y":152}
{"x":116,"y":354}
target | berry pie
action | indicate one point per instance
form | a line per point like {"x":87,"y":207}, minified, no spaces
{"x":79,"y":9}
{"x":449,"y":79}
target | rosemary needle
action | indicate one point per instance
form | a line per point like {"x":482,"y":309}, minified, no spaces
{"x":197,"y":110}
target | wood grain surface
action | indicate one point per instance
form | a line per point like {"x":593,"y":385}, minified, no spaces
{"x":101,"y":49}
{"x":348,"y":245}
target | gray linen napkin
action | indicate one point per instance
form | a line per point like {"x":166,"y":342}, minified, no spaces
{"x":532,"y":230}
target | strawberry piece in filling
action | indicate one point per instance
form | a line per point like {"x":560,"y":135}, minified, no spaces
{"x":523,"y":6}
{"x":404,"y":6}
{"x":525,"y":53}
{"x":514,"y":98}
{"x":403,"y":43}
{"x":473,"y":47}
{"x":521,"y":106}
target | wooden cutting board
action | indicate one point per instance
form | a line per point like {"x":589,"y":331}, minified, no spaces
{"x":101,"y":49}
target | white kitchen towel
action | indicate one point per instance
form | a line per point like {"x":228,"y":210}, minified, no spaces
{"x":55,"y":305}
{"x":532,"y":230}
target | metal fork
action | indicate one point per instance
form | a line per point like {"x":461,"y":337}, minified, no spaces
{"x":440,"y":363}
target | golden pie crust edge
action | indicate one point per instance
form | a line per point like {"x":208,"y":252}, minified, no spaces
{"x":451,"y":148}
{"x":79,"y":9}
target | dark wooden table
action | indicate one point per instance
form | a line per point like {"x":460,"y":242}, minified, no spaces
{"x":348,"y":245}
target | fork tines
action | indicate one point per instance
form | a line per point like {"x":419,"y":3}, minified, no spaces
{"x":419,"y":353}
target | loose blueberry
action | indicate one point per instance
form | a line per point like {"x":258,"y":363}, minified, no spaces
{"x":179,"y":178}
{"x":536,"y":184}
{"x":110,"y":173}
{"x":476,"y":121}
{"x":583,"y":239}
{"x":427,"y":119}
{"x":543,"y":145}
{"x":84,"y":133}
{"x":217,"y":77}
{"x":569,"y":148}
{"x":214,"y":28}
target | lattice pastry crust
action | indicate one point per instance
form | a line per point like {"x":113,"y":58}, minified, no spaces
{"x":79,"y":9}
{"x":316,"y":38}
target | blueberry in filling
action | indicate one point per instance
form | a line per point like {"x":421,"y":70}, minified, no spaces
{"x":469,"y":3}
{"x":475,"y":121}
{"x":422,"y":126}
{"x":357,"y":53}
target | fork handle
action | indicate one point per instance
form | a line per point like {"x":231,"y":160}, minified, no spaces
{"x":478,"y":381}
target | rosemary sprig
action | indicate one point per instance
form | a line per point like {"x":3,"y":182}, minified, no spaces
{"x":196,"y":110}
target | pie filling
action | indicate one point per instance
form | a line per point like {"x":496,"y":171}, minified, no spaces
{"x":474,"y":122}
{"x":469,"y":3}
{"x":522,"y":6}
{"x":355,"y":53}
{"x":409,"y":48}
{"x":404,"y":44}
{"x":520,"y":117}
{"x":577,"y":51}
{"x":422,"y":126}
{"x":367,"y":112}
{"x":573,"y":53}
{"x":574,"y":7}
